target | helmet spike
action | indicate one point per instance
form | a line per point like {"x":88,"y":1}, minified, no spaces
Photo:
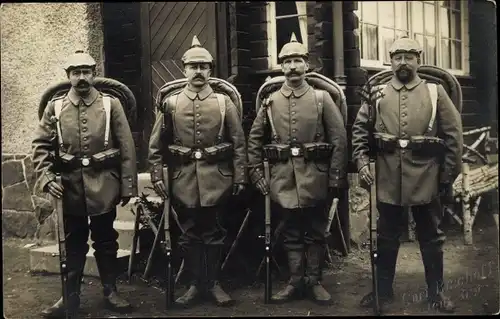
{"x":196,"y":42}
{"x":293,"y":38}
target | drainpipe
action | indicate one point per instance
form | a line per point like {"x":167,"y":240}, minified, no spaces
{"x":338,"y":44}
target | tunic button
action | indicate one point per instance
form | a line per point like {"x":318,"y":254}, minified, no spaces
{"x":86,"y":147}
{"x":403,"y":114}
{"x":198,"y":132}
{"x":84,"y":129}
{"x":293,"y":113}
{"x":294,"y":130}
{"x":198,"y":114}
{"x":84,"y":121}
{"x":197,"y":105}
{"x":403,"y":97}
{"x":129,"y":186}
{"x":293,"y":104}
{"x":85,"y":138}
{"x":294,"y":121}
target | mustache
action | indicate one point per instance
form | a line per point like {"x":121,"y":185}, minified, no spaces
{"x":293,"y":73}
{"x":82,"y":83}
{"x":403,"y":68}
{"x":199,"y":76}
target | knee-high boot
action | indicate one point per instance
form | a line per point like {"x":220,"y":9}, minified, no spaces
{"x":214,"y":289}
{"x":75,"y":264}
{"x":433,"y":267}
{"x":193,"y":263}
{"x":295,"y":285}
{"x":315,"y":258}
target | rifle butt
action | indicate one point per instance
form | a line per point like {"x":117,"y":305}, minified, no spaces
{"x":373,"y":237}
{"x":268,"y":250}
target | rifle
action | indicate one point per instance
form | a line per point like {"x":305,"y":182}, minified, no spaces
{"x":60,"y":233}
{"x":235,"y":242}
{"x":167,"y":243}
{"x":267,"y":239}
{"x":328,"y":235}
{"x":373,"y":237}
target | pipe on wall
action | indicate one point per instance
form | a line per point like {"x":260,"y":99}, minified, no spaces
{"x":338,"y":44}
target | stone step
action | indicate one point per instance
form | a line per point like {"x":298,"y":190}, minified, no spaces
{"x":46,"y":259}
{"x":125,"y":231}
{"x":124,"y":213}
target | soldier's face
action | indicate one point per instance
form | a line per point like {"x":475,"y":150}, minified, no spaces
{"x":294,"y":69}
{"x":197,"y":73}
{"x":405,"y":66}
{"x":81,"y":79}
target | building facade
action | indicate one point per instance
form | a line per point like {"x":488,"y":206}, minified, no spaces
{"x":141,"y":44}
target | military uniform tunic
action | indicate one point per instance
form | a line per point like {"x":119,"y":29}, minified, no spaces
{"x":404,"y":178}
{"x":297,"y":183}
{"x":196,"y":123}
{"x":87,"y":190}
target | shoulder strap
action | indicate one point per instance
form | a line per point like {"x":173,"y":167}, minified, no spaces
{"x":434,"y":96}
{"x":106,"y":101}
{"x":319,"y":105}
{"x":57,"y":112}
{"x":375,"y":111}
{"x":267,"y":104}
{"x":222,"y":106}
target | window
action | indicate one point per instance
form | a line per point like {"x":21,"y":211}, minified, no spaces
{"x":283,"y":18}
{"x":438,"y":26}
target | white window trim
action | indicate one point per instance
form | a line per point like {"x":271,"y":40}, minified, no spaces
{"x":464,"y":22}
{"x":272,"y":57}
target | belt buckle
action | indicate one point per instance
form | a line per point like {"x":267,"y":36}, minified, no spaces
{"x":197,"y":155}
{"x":295,"y":151}
{"x":85,"y":162}
{"x":403,"y":143}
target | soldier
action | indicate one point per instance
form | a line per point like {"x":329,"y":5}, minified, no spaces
{"x":410,"y":170}
{"x":89,"y":188}
{"x":301,"y":188}
{"x":202,"y":175}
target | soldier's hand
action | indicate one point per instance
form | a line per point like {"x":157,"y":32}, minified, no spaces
{"x":238,"y":188}
{"x":263,"y":186}
{"x":125,"y":200}
{"x":365,"y":175}
{"x":55,"y":189}
{"x":160,"y":188}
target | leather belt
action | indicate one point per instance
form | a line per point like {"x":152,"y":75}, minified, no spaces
{"x":296,"y":151}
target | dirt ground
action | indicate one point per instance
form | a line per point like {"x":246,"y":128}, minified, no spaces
{"x":471,"y":275}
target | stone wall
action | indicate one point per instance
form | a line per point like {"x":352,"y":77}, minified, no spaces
{"x":36,"y":38}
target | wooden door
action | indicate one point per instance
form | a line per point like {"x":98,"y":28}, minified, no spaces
{"x":167,"y":32}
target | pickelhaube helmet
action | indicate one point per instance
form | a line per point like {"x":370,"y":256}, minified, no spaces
{"x":405,"y":44}
{"x":197,"y":53}
{"x":79,"y":59}
{"x":293,"y":48}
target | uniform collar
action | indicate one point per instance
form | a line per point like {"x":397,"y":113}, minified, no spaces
{"x":397,"y":85}
{"x":87,"y":100}
{"x":298,"y":92}
{"x":203,"y":94}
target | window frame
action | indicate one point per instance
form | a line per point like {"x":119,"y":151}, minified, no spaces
{"x":464,"y":11}
{"x":272,"y":37}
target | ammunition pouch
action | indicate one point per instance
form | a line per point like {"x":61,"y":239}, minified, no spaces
{"x":317,"y":151}
{"x":106,"y":159}
{"x":277,"y":152}
{"x":423,"y":146}
{"x":427,"y":146}
{"x":102,"y":160}
{"x":180,"y":154}
{"x":219,"y":153}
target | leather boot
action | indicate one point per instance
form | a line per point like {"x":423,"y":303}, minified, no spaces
{"x":214,"y":289}
{"x":75,"y":274}
{"x":433,"y":267}
{"x":315,"y":256}
{"x":193,"y":264}
{"x":295,"y":286}
{"x":107,"y":265}
{"x":386,"y":268}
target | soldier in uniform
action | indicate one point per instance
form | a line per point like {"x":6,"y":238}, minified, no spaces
{"x":415,"y":164}
{"x":301,"y":187}
{"x":90,"y":187}
{"x":207,"y":159}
